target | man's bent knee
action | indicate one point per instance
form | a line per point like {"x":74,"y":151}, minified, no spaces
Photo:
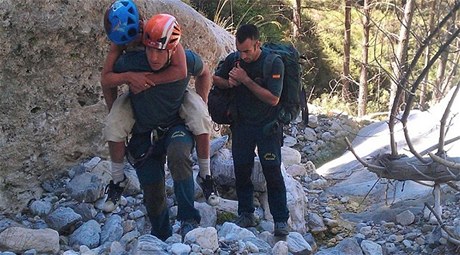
{"x":179,"y":161}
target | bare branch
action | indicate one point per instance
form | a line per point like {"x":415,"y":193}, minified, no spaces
{"x":423,"y":183}
{"x":411,"y":146}
{"x":429,"y":149}
{"x":454,"y":186}
{"x":444,"y":162}
{"x":427,"y":177}
{"x":450,"y":237}
{"x":425,"y":70}
{"x":364,"y":163}
{"x":411,"y":98}
{"x":442,"y":132}
{"x":404,"y":78}
{"x":367,"y":194}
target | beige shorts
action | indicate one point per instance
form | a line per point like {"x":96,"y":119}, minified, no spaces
{"x":194,"y":112}
{"x":120,"y":120}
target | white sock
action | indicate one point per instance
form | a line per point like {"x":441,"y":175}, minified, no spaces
{"x":204,"y":165}
{"x":118,"y":174}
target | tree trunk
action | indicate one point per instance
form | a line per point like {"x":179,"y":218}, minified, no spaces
{"x":440,"y":75}
{"x":363,"y":88}
{"x":346,"y":53}
{"x":442,"y":64}
{"x":423,"y":87}
{"x":400,"y":63}
{"x":412,"y":169}
{"x":296,"y":18}
{"x":399,"y":68}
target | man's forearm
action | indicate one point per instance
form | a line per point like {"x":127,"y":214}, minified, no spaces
{"x":203,"y":83}
{"x":220,"y":82}
{"x":263,"y":94}
{"x":113,"y":80}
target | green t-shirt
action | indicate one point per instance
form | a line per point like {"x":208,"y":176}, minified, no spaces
{"x":159,"y":106}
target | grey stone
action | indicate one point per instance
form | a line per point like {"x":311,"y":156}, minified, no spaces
{"x":41,"y":207}
{"x":231,"y":232}
{"x":263,"y":246}
{"x":180,"y":248}
{"x":86,"y":187}
{"x":311,"y":241}
{"x":371,"y":248}
{"x":405,"y":218}
{"x":281,"y":248}
{"x":297,"y":244}
{"x":112,"y":229}
{"x":6,"y":223}
{"x":30,"y":252}
{"x":88,"y":234}
{"x":349,"y":246}
{"x":206,"y":238}
{"x":310,"y":134}
{"x":316,"y":223}
{"x":62,"y":218}
{"x":19,"y":240}
{"x":389,"y":248}
{"x":327,"y":136}
{"x":85,"y":210}
{"x":149,"y":245}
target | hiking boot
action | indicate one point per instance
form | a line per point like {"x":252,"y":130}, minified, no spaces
{"x":281,"y":228}
{"x":209,"y":190}
{"x":246,"y":220}
{"x":187,"y":226}
{"x":114,"y":191}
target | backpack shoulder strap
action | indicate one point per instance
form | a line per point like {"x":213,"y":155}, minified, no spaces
{"x":268,"y":64}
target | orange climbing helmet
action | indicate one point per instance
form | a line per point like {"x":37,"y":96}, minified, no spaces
{"x":161,"y":32}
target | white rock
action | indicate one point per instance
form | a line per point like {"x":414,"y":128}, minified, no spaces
{"x":405,"y":218}
{"x":371,"y":248}
{"x":206,"y":238}
{"x":180,"y":248}
{"x":296,"y":170}
{"x":280,"y":248}
{"x":18,"y":239}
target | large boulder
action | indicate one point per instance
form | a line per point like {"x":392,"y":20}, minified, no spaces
{"x":52,"y":107}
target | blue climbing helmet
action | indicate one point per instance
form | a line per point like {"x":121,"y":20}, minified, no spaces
{"x":121,"y":22}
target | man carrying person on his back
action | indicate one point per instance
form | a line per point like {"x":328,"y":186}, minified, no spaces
{"x":256,"y":125}
{"x":159,"y":134}
{"x":123,"y":24}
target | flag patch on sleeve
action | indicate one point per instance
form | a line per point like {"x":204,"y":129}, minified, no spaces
{"x":276,"y":76}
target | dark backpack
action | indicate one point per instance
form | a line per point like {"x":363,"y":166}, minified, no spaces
{"x":290,"y":101}
{"x":221,"y":103}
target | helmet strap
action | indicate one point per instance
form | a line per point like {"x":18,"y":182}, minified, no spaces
{"x":170,"y":53}
{"x":168,"y":62}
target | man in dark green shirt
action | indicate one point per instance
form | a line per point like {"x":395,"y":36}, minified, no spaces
{"x":256,"y":98}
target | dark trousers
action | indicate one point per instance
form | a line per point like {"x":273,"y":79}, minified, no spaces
{"x":177,"y":145}
{"x":245,"y":138}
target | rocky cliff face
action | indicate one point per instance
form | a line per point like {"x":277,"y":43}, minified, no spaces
{"x":51,"y":103}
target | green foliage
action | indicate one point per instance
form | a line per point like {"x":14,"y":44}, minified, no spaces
{"x":230,"y":14}
{"x":274,"y":22}
{"x":321,"y":41}
{"x":334,"y":103}
{"x":223,"y":217}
